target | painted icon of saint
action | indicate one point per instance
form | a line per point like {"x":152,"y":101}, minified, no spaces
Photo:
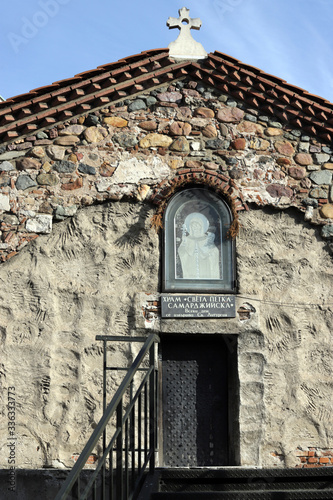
{"x":199,"y":256}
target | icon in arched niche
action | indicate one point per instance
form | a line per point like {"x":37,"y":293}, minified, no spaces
{"x":198,"y":255}
{"x":198,"y":252}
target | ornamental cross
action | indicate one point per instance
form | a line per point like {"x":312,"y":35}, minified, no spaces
{"x":185,"y":47}
{"x":184,"y":21}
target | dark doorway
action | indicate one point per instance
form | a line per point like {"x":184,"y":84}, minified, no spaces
{"x":194,"y":401}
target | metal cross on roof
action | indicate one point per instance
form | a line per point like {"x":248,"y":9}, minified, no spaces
{"x":185,"y":47}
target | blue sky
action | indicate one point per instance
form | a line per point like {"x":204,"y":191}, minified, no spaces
{"x":42,"y":41}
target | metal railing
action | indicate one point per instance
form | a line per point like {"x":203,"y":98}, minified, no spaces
{"x":130,"y":451}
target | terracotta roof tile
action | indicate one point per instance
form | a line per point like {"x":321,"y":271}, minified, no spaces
{"x":45,"y":106}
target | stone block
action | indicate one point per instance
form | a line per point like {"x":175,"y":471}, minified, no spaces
{"x":39,"y":224}
{"x":4,"y":202}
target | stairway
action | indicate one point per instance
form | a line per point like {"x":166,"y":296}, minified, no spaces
{"x":239,"y":483}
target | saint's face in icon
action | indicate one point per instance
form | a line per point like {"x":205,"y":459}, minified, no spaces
{"x":196,"y":229}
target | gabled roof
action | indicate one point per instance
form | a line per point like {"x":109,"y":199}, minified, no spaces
{"x":44,"y":107}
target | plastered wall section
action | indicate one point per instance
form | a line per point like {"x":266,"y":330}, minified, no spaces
{"x":94,"y":275}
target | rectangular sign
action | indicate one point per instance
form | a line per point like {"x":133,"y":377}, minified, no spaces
{"x":197,"y":306}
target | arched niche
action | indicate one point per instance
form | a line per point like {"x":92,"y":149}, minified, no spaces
{"x":198,"y":255}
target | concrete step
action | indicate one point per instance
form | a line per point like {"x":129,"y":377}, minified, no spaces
{"x":243,"y":495}
{"x":239,"y":483}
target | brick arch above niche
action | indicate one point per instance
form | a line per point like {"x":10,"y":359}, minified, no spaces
{"x":199,"y":176}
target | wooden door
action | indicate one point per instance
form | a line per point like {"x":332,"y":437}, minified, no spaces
{"x":194,"y":401}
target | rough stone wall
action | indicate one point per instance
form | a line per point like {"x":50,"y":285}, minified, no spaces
{"x":89,"y":277}
{"x":285,"y":268}
{"x":97,"y":269}
{"x":57,"y":295}
{"x":139,"y":148}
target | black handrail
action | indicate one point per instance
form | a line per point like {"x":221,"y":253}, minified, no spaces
{"x":123,"y":442}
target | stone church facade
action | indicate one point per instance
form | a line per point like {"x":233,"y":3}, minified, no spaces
{"x":88,"y":167}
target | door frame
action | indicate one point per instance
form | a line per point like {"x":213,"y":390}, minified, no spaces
{"x":231,"y":341}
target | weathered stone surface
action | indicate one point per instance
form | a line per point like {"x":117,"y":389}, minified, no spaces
{"x":175,"y":163}
{"x":28,"y":163}
{"x":248,"y":127}
{"x":137,"y":105}
{"x":238,"y":144}
{"x":200,"y":123}
{"x":321,"y":177}
{"x":62,"y":212}
{"x":303,"y":159}
{"x":11,"y":155}
{"x":297,"y":172}
{"x":259,"y":144}
{"x":86,"y":169}
{"x":236,"y":173}
{"x":224,"y":129}
{"x":94,"y":134}
{"x":148,"y":125}
{"x":23,"y":146}
{"x":273,"y":132}
{"x":284,"y":148}
{"x":195,"y":145}
{"x":181,"y":144}
{"x":327,"y":166}
{"x":204,"y":113}
{"x":151,"y":101}
{"x":6,"y":166}
{"x":321,"y":158}
{"x":283,"y":161}
{"x":184,"y":112}
{"x":56,"y":152}
{"x":209,"y":131}
{"x":47,"y":179}
{"x":193,"y":164}
{"x":91,"y":120}
{"x":47,"y":166}
{"x":303,"y":147}
{"x":126,"y":140}
{"x":279,"y":190}
{"x":10,"y":219}
{"x":70,"y":186}
{"x":4,"y":202}
{"x":318,"y":193}
{"x":210,"y":165}
{"x":217,"y":144}
{"x":327,"y":231}
{"x":42,"y":135}
{"x":115,"y":121}
{"x":65,"y":167}
{"x":180,"y":128}
{"x":106,"y":170}
{"x":170,"y":97}
{"x":72,"y":130}
{"x":230,"y":115}
{"x":327,"y":211}
{"x":67,"y":140}
{"x":191,"y":93}
{"x":143,"y":191}
{"x":5,"y":181}
{"x":25,"y":182}
{"x":155,"y":140}
{"x":134,"y":171}
{"x":39,"y":224}
{"x":72,"y":157}
{"x":38,"y":152}
{"x":104,"y":184}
